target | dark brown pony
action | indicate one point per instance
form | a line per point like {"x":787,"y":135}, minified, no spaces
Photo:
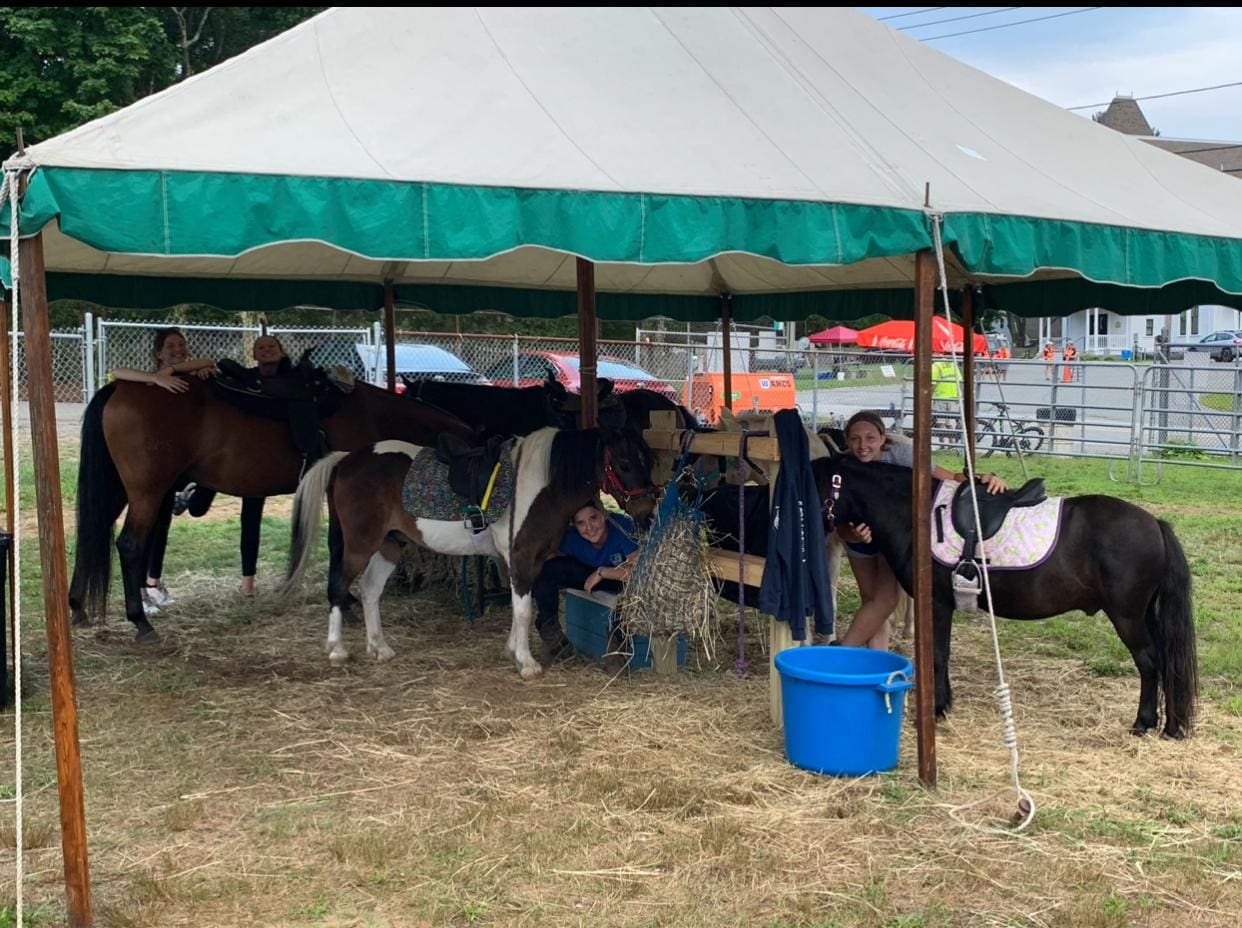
{"x":1109,"y":556}
{"x":139,"y":442}
{"x":556,"y":472}
{"x":506,"y":411}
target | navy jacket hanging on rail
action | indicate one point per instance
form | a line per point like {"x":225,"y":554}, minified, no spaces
{"x":795,"y":577}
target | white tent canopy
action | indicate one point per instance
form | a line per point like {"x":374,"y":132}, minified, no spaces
{"x":687,"y":152}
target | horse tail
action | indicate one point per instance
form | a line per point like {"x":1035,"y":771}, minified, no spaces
{"x":1172,"y":626}
{"x":306,"y":518}
{"x":101,"y":497}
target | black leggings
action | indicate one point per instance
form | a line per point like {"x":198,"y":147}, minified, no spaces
{"x":251,"y":526}
{"x":558,"y":574}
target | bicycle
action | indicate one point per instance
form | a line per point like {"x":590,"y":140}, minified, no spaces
{"x":1002,"y":432}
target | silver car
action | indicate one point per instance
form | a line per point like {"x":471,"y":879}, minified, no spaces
{"x":1224,"y":345}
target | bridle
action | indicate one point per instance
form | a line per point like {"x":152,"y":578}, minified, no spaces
{"x":615,"y":488}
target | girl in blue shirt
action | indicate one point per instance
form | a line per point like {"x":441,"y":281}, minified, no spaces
{"x":597,"y":552}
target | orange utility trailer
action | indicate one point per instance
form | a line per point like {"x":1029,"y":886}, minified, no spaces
{"x":757,"y":392}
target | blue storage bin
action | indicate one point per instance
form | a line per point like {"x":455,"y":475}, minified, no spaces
{"x":588,"y":625}
{"x":843,"y":708}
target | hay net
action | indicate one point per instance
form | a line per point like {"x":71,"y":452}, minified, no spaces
{"x":670,"y":590}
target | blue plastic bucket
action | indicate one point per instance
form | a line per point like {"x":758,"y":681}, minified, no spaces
{"x":843,"y":708}
{"x":1127,"y":354}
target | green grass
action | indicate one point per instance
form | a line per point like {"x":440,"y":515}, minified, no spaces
{"x":868,"y":376}
{"x":1221,"y":402}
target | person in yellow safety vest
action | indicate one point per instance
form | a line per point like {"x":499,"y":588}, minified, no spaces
{"x":946,"y":383}
{"x":946,"y":388}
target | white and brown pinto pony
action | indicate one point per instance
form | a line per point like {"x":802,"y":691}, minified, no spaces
{"x":557,"y":471}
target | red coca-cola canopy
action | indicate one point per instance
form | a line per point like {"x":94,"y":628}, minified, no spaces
{"x":837,"y":335}
{"x":898,"y":335}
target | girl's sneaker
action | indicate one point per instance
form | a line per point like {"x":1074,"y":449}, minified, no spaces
{"x":157,"y":595}
{"x":181,"y":501}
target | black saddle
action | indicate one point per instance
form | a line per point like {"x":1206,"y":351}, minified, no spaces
{"x":470,"y":466}
{"x":300,"y":396}
{"x":993,"y":507}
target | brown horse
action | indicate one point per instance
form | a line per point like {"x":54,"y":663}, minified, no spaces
{"x":555,"y":473}
{"x":139,"y":442}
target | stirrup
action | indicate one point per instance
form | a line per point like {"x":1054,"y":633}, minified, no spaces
{"x":966,"y":586}
{"x":475,"y":521}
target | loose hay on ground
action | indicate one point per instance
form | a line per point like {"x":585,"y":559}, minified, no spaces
{"x":235,"y":778}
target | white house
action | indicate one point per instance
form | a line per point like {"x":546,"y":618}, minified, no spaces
{"x":1099,"y":332}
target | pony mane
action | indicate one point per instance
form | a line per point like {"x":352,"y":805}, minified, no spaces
{"x":574,"y":463}
{"x":646,"y":457}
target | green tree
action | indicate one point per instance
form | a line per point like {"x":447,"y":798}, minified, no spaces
{"x":63,"y":66}
{"x":204,"y":36}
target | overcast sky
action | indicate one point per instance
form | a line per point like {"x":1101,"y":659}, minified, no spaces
{"x":1089,"y":57}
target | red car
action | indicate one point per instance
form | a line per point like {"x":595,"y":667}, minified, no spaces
{"x":536,"y":367}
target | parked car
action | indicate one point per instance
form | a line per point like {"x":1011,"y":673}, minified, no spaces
{"x":537,"y":367}
{"x":1224,"y":345}
{"x":414,"y":362}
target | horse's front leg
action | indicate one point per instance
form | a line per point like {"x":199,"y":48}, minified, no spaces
{"x":942,"y":623}
{"x":522,"y":574}
{"x":519,"y":633}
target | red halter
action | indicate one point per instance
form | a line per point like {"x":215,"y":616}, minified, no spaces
{"x":613,"y":486}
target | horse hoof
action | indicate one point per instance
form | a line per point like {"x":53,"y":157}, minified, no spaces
{"x":338,"y":658}
{"x":147,"y":635}
{"x":382,"y":655}
{"x":531,"y":673}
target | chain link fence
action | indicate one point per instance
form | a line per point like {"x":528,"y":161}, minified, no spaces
{"x":132,"y":344}
{"x":70,"y":384}
{"x":1188,"y":410}
{"x":1192,"y":412}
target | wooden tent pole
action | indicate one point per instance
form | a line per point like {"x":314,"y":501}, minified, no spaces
{"x":924,"y":661}
{"x":968,"y":371}
{"x":33,"y":296}
{"x":390,"y":335}
{"x":726,"y":333}
{"x":589,"y":415}
{"x":10,"y":503}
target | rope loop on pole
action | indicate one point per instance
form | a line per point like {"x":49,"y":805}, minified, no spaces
{"x":1009,"y":734}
